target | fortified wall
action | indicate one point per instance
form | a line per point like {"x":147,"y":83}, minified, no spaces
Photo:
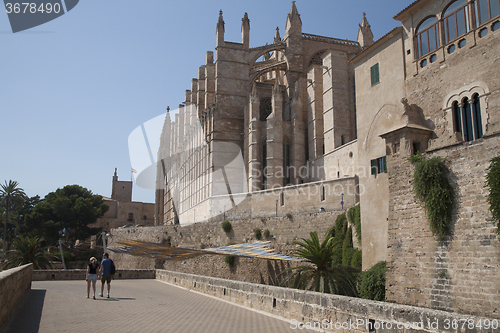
{"x":283,"y":230}
{"x":459,"y":274}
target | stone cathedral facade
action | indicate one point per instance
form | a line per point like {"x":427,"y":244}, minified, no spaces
{"x":285,"y":107}
{"x":311,"y":122}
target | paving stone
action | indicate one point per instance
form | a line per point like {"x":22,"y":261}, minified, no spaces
{"x":134,"y":306}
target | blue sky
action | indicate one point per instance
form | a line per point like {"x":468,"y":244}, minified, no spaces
{"x":73,"y":89}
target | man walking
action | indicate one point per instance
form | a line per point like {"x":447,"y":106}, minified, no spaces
{"x":106,"y":265}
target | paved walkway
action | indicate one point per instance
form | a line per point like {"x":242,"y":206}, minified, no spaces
{"x":134,"y":306}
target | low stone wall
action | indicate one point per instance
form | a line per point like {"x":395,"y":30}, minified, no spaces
{"x":79,"y":274}
{"x":15,"y":284}
{"x":307,"y":309}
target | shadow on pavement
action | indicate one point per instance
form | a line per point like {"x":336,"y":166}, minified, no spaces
{"x":116,"y":299}
{"x":32,"y":304}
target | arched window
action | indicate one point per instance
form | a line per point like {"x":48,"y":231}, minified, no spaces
{"x":130,"y":217}
{"x":456,"y":20}
{"x":457,"y":117}
{"x":427,"y":36}
{"x":486,"y":10}
{"x":467,"y":118}
{"x":476,"y":114}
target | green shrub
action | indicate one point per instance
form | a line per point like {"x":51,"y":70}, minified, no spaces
{"x":340,"y":226}
{"x":257,"y":233}
{"x":267,"y":234}
{"x":356,"y":260}
{"x":372,"y":282}
{"x":226,"y":226}
{"x":433,"y":189}
{"x":338,"y":232}
{"x":229,"y":260}
{"x":354,"y":217}
{"x":347,"y":248}
{"x":68,"y":256}
{"x":493,"y":184}
{"x":167,"y":241}
{"x":347,"y":255}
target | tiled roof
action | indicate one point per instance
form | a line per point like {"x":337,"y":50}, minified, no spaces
{"x":411,"y":5}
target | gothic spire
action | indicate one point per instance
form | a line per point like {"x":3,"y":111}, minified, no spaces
{"x":245,"y":30}
{"x":277,"y":37}
{"x":220,"y":29}
{"x":293,"y":22}
{"x":365,"y":35}
{"x":220,"y":23}
{"x":294,"y":11}
{"x":245,"y":19}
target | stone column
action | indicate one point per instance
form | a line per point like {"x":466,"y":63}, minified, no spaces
{"x":315,"y":111}
{"x":336,"y":96}
{"x":275,"y":140}
{"x":298,"y":149}
{"x":254,"y":149}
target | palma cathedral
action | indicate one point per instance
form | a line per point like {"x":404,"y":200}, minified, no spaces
{"x":309,"y":123}
{"x":265,"y":117}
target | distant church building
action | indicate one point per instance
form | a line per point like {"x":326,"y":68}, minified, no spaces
{"x":310,"y":122}
{"x":122,"y":210}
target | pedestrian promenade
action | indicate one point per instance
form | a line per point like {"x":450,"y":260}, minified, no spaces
{"x":134,"y":306}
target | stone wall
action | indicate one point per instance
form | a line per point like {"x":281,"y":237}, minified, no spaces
{"x":295,"y":199}
{"x":15,"y":284}
{"x":284,"y":230}
{"x":80,"y":274}
{"x":308,"y":309}
{"x":461,"y":273}
{"x":123,"y":213}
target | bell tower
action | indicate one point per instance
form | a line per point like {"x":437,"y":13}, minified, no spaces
{"x":121,"y":190}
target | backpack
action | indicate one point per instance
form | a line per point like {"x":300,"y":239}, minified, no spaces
{"x":112,"y":270}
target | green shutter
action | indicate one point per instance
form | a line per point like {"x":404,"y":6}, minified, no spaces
{"x":374,"y":73}
{"x":384,"y":159}
{"x":373,"y":167}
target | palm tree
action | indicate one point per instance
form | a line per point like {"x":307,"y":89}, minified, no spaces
{"x":10,"y":193}
{"x":28,"y":250}
{"x":322,"y":275}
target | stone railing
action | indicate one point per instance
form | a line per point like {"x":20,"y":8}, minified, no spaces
{"x":79,"y":274}
{"x":327,"y":312}
{"x":15,"y":284}
{"x":265,"y":47}
{"x":330,"y":40}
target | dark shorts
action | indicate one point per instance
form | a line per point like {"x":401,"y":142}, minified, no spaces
{"x":106,"y":278}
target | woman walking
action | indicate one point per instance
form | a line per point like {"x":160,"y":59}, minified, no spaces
{"x":92,"y":269}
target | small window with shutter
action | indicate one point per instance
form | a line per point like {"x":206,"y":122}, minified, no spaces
{"x":378,"y":165}
{"x":374,"y":73}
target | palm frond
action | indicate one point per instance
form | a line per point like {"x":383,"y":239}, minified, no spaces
{"x":322,"y":275}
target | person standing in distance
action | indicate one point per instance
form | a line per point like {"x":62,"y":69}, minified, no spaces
{"x":91,"y":276}
{"x":106,"y":264}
